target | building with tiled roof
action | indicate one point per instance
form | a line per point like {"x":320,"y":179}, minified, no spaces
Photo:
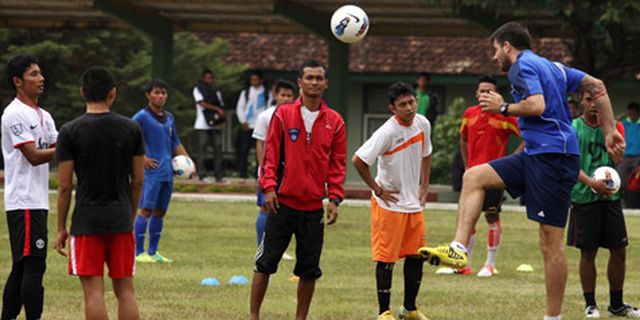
{"x":376,"y":54}
{"x":377,"y":61}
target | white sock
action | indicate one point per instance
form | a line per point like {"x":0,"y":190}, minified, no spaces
{"x":559,"y":317}
{"x":458,"y":246}
{"x":472,"y":243}
{"x":493,"y":243}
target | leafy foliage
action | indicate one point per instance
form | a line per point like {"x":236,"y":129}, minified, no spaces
{"x":605,"y":34}
{"x":64,"y":55}
{"x":445,"y":139}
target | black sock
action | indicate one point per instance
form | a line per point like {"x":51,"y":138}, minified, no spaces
{"x":32,"y":289}
{"x":11,"y":298}
{"x":384,"y":273}
{"x":412,"y":279}
{"x":590,"y":298}
{"x":615,"y":299}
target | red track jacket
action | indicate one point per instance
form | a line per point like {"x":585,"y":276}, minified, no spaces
{"x":304,"y":171}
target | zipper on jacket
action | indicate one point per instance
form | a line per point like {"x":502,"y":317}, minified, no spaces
{"x":313,"y":126}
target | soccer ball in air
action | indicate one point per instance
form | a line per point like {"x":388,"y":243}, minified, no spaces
{"x":609,"y":174}
{"x":183,"y":167}
{"x":349,"y":24}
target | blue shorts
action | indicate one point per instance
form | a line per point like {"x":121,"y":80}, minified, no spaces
{"x":545,"y":181}
{"x":156,"y":195}
{"x":260,"y":194}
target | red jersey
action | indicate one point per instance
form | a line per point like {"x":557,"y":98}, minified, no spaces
{"x":487,"y":134}
{"x":304,"y":170}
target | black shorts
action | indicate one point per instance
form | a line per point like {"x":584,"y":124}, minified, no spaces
{"x":493,"y":200}
{"x":27,"y":233}
{"x":597,"y":224}
{"x":307,"y":226}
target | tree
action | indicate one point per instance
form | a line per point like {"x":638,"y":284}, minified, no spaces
{"x":64,"y":55}
{"x":603,"y":35}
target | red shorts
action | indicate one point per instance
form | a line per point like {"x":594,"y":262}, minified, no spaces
{"x":88,"y":254}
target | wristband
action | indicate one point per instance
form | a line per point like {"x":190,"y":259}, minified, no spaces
{"x":378,"y":193}
{"x":335,"y":201}
{"x":504,"y":109}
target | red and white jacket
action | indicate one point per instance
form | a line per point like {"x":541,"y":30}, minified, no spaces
{"x":302,"y":170}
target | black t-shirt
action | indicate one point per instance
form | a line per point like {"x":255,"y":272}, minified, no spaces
{"x":102,"y":146}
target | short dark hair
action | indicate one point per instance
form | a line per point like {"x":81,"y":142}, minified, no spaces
{"x":424,"y":74}
{"x":18,"y":65}
{"x":257,"y":73}
{"x":633,"y":106}
{"x":97,"y":82}
{"x":311,"y":63}
{"x":515,"y":33}
{"x":399,"y":89}
{"x":283,"y":84}
{"x":205,"y":72}
{"x":155,"y":83}
{"x":487,"y":79}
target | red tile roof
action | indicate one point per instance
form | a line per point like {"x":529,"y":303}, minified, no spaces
{"x":376,"y":54}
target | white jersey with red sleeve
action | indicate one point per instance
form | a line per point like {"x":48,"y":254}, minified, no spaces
{"x":399,"y":150}
{"x":26,"y":186}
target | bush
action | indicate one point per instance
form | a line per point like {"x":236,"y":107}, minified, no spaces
{"x":445,"y":138}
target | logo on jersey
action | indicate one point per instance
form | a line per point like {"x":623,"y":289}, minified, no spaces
{"x":16,"y":129}
{"x":39,"y":243}
{"x":293,"y":134}
{"x":42,"y":144}
{"x":33,"y":126}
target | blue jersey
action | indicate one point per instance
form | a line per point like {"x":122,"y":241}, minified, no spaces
{"x":632,"y":137}
{"x":550,"y":132}
{"x":160,"y":138}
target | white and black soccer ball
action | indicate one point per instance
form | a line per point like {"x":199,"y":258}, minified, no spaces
{"x":183,"y":167}
{"x":349,"y":24}
{"x":610,"y":175}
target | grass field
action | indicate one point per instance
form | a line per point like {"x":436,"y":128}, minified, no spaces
{"x":218,"y":240}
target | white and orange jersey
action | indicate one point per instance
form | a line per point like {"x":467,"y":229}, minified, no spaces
{"x":399,"y":150}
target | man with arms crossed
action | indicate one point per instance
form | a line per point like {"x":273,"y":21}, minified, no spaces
{"x":548,"y":168}
{"x":402,"y":146}
{"x":106,"y":152}
{"x":596,"y":220}
{"x":304,"y":161}
{"x":28,"y":139}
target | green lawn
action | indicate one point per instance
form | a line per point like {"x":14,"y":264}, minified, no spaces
{"x":218,"y":240}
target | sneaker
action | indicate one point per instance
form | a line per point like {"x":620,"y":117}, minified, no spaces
{"x":487,"y":271}
{"x":386,"y":316}
{"x":404,"y":314}
{"x":160,"y":258}
{"x":444,"y":255}
{"x":144,"y":258}
{"x":445,"y":270}
{"x":625,"y":311}
{"x":287,"y":256}
{"x":592,"y":312}
{"x":464,"y":271}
